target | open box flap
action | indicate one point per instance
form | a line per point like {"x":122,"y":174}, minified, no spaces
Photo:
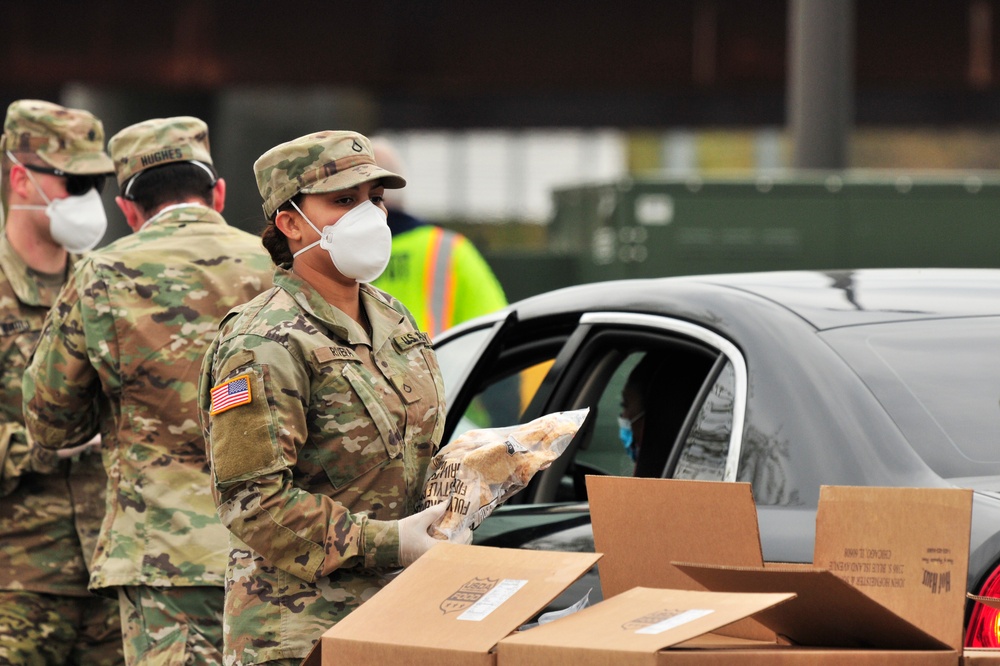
{"x":992,"y":602}
{"x":827,"y":611}
{"x":907,"y":548}
{"x":642,"y":525}
{"x":646,"y":620}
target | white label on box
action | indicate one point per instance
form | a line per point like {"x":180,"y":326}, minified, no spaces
{"x":675,"y":621}
{"x":490,"y":601}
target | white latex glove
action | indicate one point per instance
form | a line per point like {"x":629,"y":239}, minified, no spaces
{"x":414,"y":540}
{"x":93,"y":444}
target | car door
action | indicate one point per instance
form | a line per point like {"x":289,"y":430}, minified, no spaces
{"x":509,"y":371}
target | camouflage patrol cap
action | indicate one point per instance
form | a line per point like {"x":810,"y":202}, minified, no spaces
{"x":71,"y":140}
{"x":320,"y":162}
{"x":156,"y":142}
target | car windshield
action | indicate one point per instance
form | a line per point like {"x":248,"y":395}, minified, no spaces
{"x":939,"y":381}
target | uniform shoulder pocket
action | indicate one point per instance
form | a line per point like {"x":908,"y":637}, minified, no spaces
{"x":241,"y":429}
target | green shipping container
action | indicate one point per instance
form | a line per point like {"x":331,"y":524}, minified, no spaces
{"x":659,"y":227}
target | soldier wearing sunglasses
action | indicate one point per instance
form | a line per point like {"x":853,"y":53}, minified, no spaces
{"x":53,"y":165}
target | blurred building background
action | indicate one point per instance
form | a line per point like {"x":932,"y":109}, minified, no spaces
{"x":496,"y":105}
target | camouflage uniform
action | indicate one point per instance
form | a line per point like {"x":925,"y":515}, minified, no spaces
{"x":319,"y":438}
{"x":50,"y":510}
{"x":120,"y":353}
{"x":313,"y":471}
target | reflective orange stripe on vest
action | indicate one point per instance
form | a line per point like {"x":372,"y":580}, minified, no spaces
{"x":439,"y":283}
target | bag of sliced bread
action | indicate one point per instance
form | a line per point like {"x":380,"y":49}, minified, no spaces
{"x":481,"y":469}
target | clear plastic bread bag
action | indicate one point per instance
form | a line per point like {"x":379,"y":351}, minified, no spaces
{"x":481,"y":469}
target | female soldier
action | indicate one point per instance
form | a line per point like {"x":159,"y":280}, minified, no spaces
{"x":322,"y":406}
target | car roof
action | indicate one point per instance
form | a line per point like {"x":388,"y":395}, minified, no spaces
{"x":825,"y":299}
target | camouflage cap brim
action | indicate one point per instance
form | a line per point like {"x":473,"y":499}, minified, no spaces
{"x":80,"y":164}
{"x":354,"y":176}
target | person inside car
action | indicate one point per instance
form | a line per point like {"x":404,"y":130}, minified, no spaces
{"x":647,"y":425}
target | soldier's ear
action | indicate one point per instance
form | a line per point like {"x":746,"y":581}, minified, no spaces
{"x":289,"y":224}
{"x":18,"y":180}
{"x":219,"y":195}
{"x":134,"y":216}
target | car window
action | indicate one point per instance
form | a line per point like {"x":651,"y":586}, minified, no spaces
{"x":706,"y":448}
{"x":604,"y":452}
{"x":501,"y":402}
{"x":684,"y":398}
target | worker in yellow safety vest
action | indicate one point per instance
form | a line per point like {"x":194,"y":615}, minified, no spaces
{"x":438,"y":274}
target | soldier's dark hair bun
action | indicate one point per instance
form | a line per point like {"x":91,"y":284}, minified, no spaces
{"x":276,"y":244}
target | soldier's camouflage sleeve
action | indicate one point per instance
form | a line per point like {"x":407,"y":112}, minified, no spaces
{"x":46,"y":518}
{"x":254,"y":448}
{"x":61,"y":385}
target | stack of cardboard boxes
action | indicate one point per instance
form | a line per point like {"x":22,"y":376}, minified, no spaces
{"x":684,"y":582}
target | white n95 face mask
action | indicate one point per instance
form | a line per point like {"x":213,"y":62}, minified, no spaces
{"x":359,"y":243}
{"x":77,"y":223}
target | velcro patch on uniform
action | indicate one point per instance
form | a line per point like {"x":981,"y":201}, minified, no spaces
{"x":327,"y":354}
{"x":404,"y":389}
{"x":412,"y":339}
{"x":237,"y":360}
{"x":14,"y":327}
{"x":230,"y":394}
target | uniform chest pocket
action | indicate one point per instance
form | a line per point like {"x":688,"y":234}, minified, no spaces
{"x":17,"y":341}
{"x":359,"y":432}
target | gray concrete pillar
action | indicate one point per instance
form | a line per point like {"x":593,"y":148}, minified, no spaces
{"x":820,"y":89}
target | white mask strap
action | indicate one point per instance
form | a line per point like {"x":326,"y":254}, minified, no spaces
{"x":127,"y":192}
{"x":313,"y":244}
{"x":27,"y":172}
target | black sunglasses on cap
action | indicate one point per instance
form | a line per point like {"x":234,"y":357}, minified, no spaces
{"x":75,"y":184}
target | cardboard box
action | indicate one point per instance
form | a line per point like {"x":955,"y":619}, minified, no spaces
{"x":452,"y":606}
{"x":828,"y":611}
{"x":992,"y":602}
{"x":647,"y":627}
{"x":888,"y":586}
{"x":913,"y":545}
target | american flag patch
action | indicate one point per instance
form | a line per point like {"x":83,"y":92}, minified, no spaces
{"x":231,"y":394}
